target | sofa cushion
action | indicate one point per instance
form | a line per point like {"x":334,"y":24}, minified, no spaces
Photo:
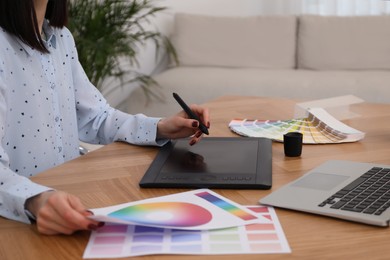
{"x":344,"y":43}
{"x":201,"y":84}
{"x":267,"y":42}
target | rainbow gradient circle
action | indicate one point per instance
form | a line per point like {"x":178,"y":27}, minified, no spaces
{"x":173,"y":214}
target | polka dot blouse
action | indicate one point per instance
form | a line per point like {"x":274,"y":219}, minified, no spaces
{"x":47,"y":105}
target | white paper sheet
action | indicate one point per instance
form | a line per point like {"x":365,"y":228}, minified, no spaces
{"x":118,"y":240}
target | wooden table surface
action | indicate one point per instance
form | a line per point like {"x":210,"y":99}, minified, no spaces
{"x":110,"y":176}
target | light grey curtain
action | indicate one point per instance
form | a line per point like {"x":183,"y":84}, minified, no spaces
{"x":325,"y":7}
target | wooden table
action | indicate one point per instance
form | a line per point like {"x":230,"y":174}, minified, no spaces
{"x":110,"y":176}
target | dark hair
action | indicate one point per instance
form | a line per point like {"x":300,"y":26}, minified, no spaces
{"x":18,"y":18}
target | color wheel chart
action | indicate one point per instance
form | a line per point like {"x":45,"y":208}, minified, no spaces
{"x":173,"y":214}
{"x":117,"y":240}
{"x":200,"y":209}
{"x":318,"y":128}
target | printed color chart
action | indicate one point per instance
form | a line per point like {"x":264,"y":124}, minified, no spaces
{"x":223,"y":204}
{"x":116,"y":240}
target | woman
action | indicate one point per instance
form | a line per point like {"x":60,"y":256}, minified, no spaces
{"x":47,"y":105}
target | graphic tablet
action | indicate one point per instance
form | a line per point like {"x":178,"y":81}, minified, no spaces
{"x":214,"y":162}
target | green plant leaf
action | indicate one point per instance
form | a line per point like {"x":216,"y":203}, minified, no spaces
{"x":108,"y":32}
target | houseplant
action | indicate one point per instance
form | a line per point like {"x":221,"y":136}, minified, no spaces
{"x":108,"y":35}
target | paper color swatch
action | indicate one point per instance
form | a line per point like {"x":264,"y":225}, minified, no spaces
{"x":117,"y":240}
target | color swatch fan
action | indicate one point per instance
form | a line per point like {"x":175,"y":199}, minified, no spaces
{"x":318,"y":128}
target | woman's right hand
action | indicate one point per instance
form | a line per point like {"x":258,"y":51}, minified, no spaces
{"x":58,"y":212}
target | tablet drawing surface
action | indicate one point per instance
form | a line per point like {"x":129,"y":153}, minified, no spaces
{"x":214,"y":162}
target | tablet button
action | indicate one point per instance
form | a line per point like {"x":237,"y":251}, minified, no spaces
{"x":207,"y":178}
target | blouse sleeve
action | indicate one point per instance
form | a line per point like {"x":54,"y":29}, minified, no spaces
{"x":14,"y":188}
{"x":99,"y":123}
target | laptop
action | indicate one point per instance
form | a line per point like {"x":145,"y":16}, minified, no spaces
{"x":348,"y":190}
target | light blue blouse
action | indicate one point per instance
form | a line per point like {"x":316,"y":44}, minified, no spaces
{"x":47,"y":104}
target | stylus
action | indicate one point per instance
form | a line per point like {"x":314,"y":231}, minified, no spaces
{"x":190,"y":113}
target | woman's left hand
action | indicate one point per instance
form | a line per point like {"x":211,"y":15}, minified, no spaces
{"x":180,"y":125}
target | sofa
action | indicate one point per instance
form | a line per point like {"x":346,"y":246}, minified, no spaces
{"x":303,"y":57}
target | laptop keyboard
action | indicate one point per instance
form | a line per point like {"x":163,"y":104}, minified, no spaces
{"x":369,"y":194}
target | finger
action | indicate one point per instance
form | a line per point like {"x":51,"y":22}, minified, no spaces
{"x":206,"y":117}
{"x":92,"y":224}
{"x":198,"y":134}
{"x":196,"y":138}
{"x":87,"y":213}
{"x":76,"y":211}
{"x":203,"y":113}
{"x":76,"y":204}
{"x":191,"y":124}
